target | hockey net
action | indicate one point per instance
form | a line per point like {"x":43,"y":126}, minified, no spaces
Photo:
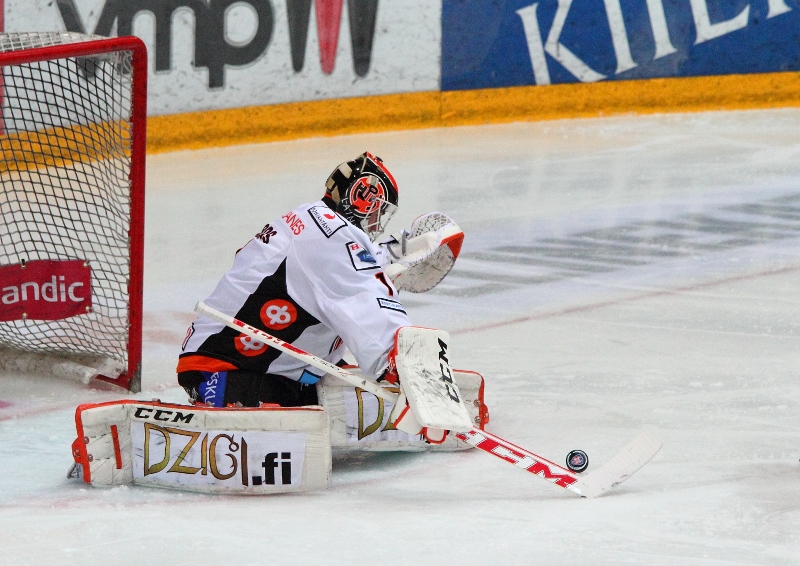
{"x":72,"y":135}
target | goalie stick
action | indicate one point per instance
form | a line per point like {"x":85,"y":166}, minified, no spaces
{"x":623,"y":465}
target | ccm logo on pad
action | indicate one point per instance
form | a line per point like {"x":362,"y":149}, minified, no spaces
{"x":45,"y":290}
{"x":162,"y":415}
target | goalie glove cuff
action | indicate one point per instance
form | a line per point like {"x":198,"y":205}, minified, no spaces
{"x":390,"y":373}
{"x":390,"y":376}
{"x":397,"y":244}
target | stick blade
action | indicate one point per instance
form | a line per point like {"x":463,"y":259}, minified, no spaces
{"x":622,"y":466}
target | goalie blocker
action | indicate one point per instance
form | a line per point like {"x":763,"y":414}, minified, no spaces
{"x":430,"y":402}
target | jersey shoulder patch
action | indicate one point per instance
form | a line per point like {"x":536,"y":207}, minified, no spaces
{"x":360,"y":257}
{"x":326,"y":220}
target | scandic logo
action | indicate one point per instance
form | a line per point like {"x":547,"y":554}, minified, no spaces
{"x":45,"y":290}
{"x":211,"y":48}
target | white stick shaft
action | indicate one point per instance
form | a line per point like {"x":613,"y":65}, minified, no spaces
{"x":620,"y":468}
{"x":310,"y":359}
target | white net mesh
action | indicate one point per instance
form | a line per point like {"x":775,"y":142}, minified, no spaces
{"x":429,"y":223}
{"x":31,"y":40}
{"x":65,"y":193}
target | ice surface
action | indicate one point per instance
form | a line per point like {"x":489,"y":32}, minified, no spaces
{"x":618,"y":274}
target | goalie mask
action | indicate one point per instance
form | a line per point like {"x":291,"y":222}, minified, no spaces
{"x":364,"y":192}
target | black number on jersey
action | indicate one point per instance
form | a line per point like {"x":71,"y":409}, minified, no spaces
{"x":381,"y":276}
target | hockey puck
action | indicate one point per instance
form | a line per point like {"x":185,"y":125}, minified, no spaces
{"x":577,"y":461}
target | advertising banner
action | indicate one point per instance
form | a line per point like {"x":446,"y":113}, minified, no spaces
{"x":45,"y":290}
{"x":185,"y":456}
{"x":500,"y":43}
{"x":216,"y":54}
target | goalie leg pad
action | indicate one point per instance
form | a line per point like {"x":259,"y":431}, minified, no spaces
{"x":205,"y":449}
{"x":362,"y":421}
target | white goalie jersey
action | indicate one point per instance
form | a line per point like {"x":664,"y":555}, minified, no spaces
{"x":313,"y":280}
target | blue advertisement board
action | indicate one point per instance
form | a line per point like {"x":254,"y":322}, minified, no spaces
{"x":500,"y":43}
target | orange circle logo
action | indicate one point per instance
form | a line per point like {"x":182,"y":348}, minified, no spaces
{"x":249,"y":347}
{"x":278,"y":314}
{"x":365,"y":197}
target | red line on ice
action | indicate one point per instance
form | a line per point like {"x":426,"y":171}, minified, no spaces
{"x":33,"y":410}
{"x":601,"y":304}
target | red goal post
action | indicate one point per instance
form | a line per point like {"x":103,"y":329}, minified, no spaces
{"x":73,"y":114}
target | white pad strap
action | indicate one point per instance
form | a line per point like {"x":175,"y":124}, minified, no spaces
{"x":424,"y":255}
{"x":402,"y":417}
{"x":198,"y":448}
{"x":426,"y":379}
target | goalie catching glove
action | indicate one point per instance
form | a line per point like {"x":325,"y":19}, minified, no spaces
{"x":423,"y":256}
{"x":430,"y":402}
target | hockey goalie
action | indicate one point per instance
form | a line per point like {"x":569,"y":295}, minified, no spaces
{"x":261,"y":420}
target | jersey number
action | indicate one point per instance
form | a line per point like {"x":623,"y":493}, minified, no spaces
{"x":381,"y":276}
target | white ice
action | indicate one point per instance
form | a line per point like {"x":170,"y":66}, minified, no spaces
{"x":618,"y":275}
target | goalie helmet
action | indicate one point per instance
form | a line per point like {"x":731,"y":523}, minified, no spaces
{"x":364,"y":192}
